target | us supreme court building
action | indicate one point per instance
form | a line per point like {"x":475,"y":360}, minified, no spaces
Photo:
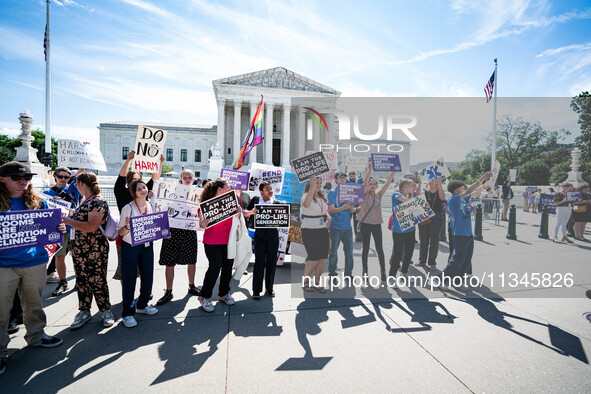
{"x":285,"y":123}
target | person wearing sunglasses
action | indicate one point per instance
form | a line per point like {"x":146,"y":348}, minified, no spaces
{"x":22,"y":268}
{"x":67,"y":192}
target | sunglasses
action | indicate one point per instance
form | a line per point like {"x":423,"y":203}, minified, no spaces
{"x":17,"y":178}
{"x":62,"y":176}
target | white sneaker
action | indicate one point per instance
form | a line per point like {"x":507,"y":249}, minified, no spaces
{"x":129,"y":321}
{"x":108,"y":318}
{"x":206,"y":304}
{"x":228,"y":299}
{"x":148,"y":310}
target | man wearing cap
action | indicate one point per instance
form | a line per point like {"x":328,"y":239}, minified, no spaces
{"x":22,"y":268}
{"x":68,"y":193}
{"x":340,"y":229}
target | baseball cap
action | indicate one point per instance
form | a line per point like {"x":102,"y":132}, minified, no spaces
{"x":15,"y":168}
{"x":339,"y":173}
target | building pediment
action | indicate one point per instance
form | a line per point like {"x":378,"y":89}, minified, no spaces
{"x":277,"y":78}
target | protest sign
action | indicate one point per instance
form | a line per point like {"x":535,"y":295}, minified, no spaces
{"x":513,"y":175}
{"x":271,"y":216}
{"x":260,"y":173}
{"x":55,"y":203}
{"x":52,"y":249}
{"x":412,"y":212}
{"x":308,"y":166}
{"x":237,"y":179}
{"x":332,"y":161}
{"x":295,"y":232}
{"x":220,"y":208}
{"x":149,"y":144}
{"x":283,"y":236}
{"x":24,"y":229}
{"x":292,"y":190}
{"x":547,"y":200}
{"x":350,"y":193}
{"x":532,"y":189}
{"x":357,"y":164}
{"x":574,"y":196}
{"x":434,"y":171}
{"x":180,"y":201}
{"x":389,"y":162}
{"x":493,"y":181}
{"x":78,"y":154}
{"x":148,"y":228}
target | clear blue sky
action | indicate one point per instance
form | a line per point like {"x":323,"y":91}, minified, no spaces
{"x":153,"y":60}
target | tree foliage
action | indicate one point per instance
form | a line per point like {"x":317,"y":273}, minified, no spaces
{"x":8,"y":145}
{"x":581,"y":104}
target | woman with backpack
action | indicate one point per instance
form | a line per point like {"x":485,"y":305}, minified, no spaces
{"x":90,"y":252}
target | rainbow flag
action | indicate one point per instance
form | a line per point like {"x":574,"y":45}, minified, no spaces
{"x":254,"y":136}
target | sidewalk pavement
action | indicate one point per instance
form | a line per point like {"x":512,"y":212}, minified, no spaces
{"x":488,"y":339}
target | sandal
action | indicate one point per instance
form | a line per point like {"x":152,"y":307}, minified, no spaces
{"x":320,"y":289}
{"x":307,"y":286}
{"x":556,"y":240}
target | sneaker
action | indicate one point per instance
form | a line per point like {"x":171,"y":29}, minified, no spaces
{"x":148,"y":310}
{"x":108,"y":318}
{"x":421,"y":264}
{"x":206,"y":304}
{"x":433,"y":267}
{"x":196,"y":291}
{"x":165,"y":298}
{"x":228,"y":299}
{"x":12,"y":327}
{"x":81,"y":319}
{"x":129,"y":321}
{"x":48,"y":341}
{"x":53,"y":278}
{"x":256,"y":296}
{"x":62,"y":287}
{"x":2,"y":365}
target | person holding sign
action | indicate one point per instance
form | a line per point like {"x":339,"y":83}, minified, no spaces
{"x":22,"y":269}
{"x":90,"y":252}
{"x":460,"y":261}
{"x":215,"y":242}
{"x":563,"y":212}
{"x":506,"y":197}
{"x":340,"y":229}
{"x":70,"y":194}
{"x":266,"y":246}
{"x":136,"y":257}
{"x":429,"y":231}
{"x":315,"y":223}
{"x":179,"y":249}
{"x":371,"y":219}
{"x":404,"y":240}
{"x":582,"y":213}
{"x":123,"y":196}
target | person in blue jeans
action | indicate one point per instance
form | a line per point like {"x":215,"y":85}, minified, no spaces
{"x":340,"y":230}
{"x":461,"y":226}
{"x":404,"y":240}
{"x":133,"y":257}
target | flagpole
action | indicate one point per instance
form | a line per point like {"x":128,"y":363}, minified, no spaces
{"x":48,"y":92}
{"x":493,"y":156}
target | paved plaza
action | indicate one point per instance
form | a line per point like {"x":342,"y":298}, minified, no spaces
{"x":512,"y":338}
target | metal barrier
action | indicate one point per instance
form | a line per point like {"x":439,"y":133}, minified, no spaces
{"x":491,"y":209}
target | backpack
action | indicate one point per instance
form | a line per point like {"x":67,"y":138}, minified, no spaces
{"x":109,"y":229}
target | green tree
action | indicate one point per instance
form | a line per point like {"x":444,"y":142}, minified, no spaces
{"x":166,"y":168}
{"x":559,"y":172}
{"x":39,"y":144}
{"x":477,"y":162}
{"x":7,"y":145}
{"x":534,"y":172}
{"x":581,"y":104}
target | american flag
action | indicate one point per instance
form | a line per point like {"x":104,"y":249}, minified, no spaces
{"x":45,"y":43}
{"x":488,"y":89}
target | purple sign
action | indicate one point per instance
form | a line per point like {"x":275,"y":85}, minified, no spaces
{"x":237,"y":179}
{"x":148,"y":228}
{"x":24,"y":229}
{"x":386,"y":162}
{"x":574,"y":196}
{"x":350,"y":192}
{"x":547,"y":200}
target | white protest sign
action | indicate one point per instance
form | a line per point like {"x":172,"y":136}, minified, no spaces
{"x":78,"y":154}
{"x":356,"y":163}
{"x":149,"y":144}
{"x":260,"y":173}
{"x":493,"y":181}
{"x":412,"y":212}
{"x":434,"y":171}
{"x":55,"y":203}
{"x":283,"y":235}
{"x":331,"y":159}
{"x":180,"y":201}
{"x":513,"y":175}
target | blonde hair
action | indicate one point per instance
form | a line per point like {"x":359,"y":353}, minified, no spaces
{"x":31,"y":199}
{"x":404,"y":183}
{"x":187,"y":172}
